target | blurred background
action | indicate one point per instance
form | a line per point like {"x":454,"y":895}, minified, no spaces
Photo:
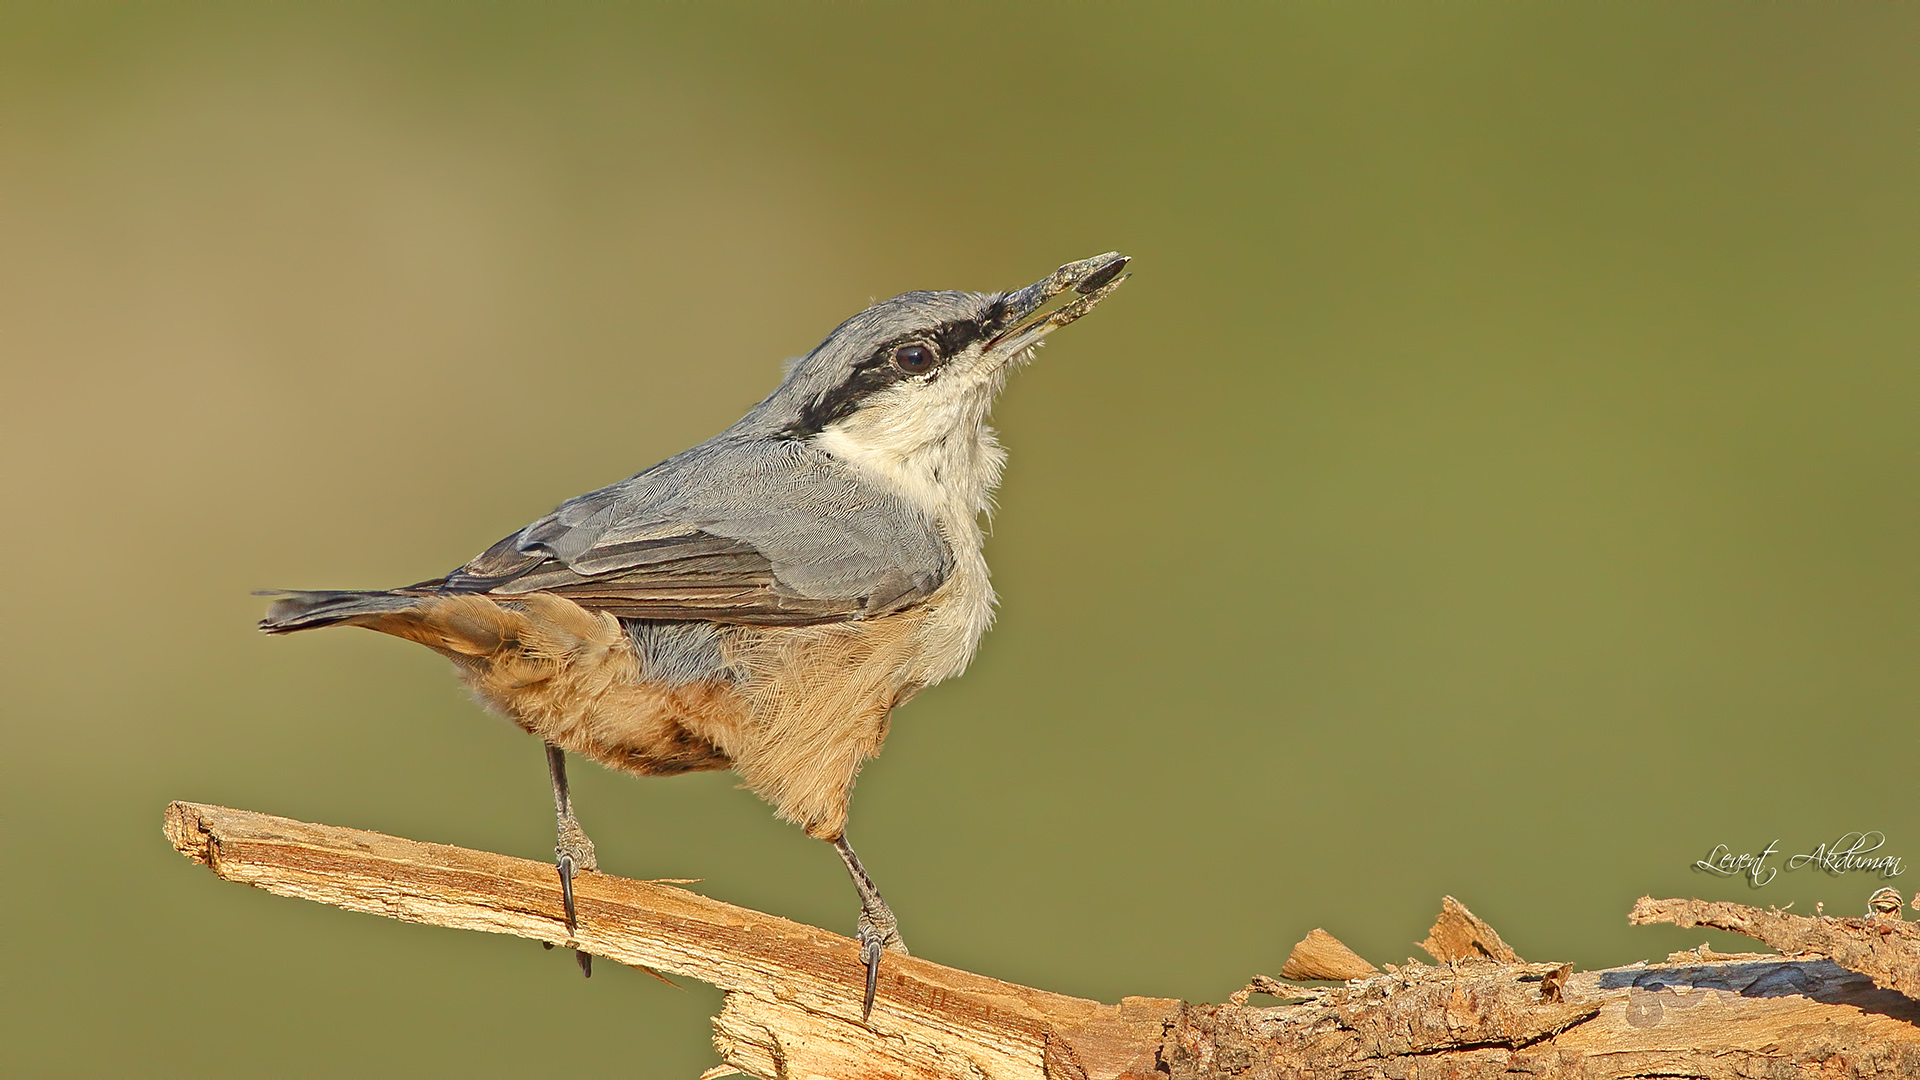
{"x":1497,"y":480}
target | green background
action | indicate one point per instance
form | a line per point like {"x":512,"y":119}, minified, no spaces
{"x":1498,"y":479}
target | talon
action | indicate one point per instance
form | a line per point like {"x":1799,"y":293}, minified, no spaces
{"x":566,"y":891}
{"x":566,"y":868}
{"x":870,"y":956}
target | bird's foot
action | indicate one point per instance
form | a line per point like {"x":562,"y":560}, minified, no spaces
{"x":879,"y":932}
{"x":574,"y":845}
{"x":574,"y":855}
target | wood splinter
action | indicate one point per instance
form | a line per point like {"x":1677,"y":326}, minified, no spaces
{"x":1320,"y":955}
{"x":1459,"y":934}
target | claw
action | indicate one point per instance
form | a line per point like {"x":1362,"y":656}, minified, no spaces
{"x":566,"y":891}
{"x":566,"y":868}
{"x":870,"y":956}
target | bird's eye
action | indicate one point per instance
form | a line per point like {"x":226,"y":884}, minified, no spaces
{"x":915,"y":359}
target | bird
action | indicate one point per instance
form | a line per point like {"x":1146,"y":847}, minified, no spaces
{"x":763,"y":601}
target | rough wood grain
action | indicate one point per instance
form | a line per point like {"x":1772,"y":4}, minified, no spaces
{"x":1481,"y":1020}
{"x":793,"y":992}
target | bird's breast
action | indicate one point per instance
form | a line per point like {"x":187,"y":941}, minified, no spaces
{"x":958,"y":613}
{"x":950,"y":479}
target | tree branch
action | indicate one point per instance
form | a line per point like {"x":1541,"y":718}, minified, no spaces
{"x":793,"y":992}
{"x":1883,"y":947}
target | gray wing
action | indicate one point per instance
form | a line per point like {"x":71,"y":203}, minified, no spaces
{"x":736,"y":531}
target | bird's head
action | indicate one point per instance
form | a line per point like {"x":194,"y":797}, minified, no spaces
{"x":907,"y":383}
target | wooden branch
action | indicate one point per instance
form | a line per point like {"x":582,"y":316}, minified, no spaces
{"x":793,"y":1002}
{"x":793,"y":992}
{"x":1880,"y":946}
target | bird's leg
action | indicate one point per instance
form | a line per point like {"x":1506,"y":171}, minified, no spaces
{"x":879,"y":930}
{"x":574,"y":852}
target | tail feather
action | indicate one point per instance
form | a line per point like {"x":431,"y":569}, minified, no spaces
{"x":293,"y":610}
{"x":535,"y":629}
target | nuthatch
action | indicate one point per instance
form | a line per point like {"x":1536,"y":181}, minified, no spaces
{"x":762,"y":601}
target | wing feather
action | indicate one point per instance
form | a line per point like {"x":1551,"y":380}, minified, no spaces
{"x":736,"y":533}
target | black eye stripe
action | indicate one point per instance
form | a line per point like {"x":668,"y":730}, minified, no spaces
{"x":952,"y":339}
{"x":878,"y":371}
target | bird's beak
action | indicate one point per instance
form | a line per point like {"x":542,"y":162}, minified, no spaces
{"x":1091,"y":278}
